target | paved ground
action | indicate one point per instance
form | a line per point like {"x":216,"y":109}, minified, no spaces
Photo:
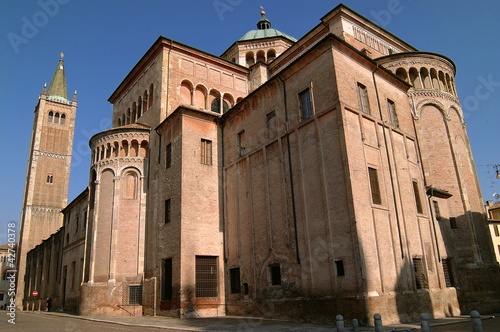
{"x":53,"y":321}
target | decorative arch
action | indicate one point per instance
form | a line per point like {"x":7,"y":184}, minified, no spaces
{"x":124,"y":149}
{"x":143,"y":152}
{"x":134,"y":148}
{"x":250,"y":59}
{"x":415,"y":78}
{"x":271,"y":55}
{"x":442,"y":82}
{"x":133,"y":116}
{"x":261,"y":56}
{"x":116,"y":148}
{"x":228,"y":102}
{"x":150,"y":95}
{"x":401,"y":73}
{"x":434,"y":103}
{"x":145,"y":101}
{"x":458,"y":113}
{"x":200,"y":96}
{"x":139,"y":107}
{"x":186,"y":93}
{"x":130,"y":180}
{"x":215,"y":101}
{"x":424,"y":74}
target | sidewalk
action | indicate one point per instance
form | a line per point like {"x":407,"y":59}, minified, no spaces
{"x":231,"y":323}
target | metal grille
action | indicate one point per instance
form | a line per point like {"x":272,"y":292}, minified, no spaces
{"x":132,"y":294}
{"x":420,"y":276}
{"x":448,"y":275}
{"x":206,"y":276}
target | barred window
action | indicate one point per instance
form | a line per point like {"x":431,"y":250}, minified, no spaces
{"x":420,"y":276}
{"x":206,"y":276}
{"x":234,"y":276}
{"x":206,"y":152}
{"x":448,"y":273}
{"x":131,"y":294}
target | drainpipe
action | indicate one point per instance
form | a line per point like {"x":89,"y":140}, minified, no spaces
{"x":294,"y":213}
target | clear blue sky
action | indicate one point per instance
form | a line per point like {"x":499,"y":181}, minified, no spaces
{"x":103,"y":40}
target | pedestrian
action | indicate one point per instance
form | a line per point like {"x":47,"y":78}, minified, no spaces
{"x":49,"y":303}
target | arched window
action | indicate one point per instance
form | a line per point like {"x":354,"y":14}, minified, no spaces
{"x":215,"y":105}
{"x":119,"y":122}
{"x":215,"y":101}
{"x":63,"y":119}
{"x":51,"y":117}
{"x":56,"y":118}
{"x":50,"y":178}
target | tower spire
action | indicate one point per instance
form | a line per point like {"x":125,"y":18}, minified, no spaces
{"x":57,"y":87}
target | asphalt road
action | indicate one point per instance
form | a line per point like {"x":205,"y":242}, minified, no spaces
{"x":27,"y":322}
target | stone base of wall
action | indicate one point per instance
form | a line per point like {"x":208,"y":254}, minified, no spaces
{"x":105,"y":299}
{"x":394,"y":307}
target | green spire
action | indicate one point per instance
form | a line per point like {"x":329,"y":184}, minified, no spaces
{"x":57,"y":87}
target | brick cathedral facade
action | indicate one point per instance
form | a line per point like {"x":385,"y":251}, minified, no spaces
{"x":285,"y":178}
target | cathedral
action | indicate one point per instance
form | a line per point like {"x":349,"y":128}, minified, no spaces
{"x":286,"y":178}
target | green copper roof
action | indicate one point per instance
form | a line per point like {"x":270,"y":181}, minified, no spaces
{"x":57,"y":87}
{"x":265,"y":31}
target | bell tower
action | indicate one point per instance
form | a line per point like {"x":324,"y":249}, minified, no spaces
{"x":48,"y":171}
